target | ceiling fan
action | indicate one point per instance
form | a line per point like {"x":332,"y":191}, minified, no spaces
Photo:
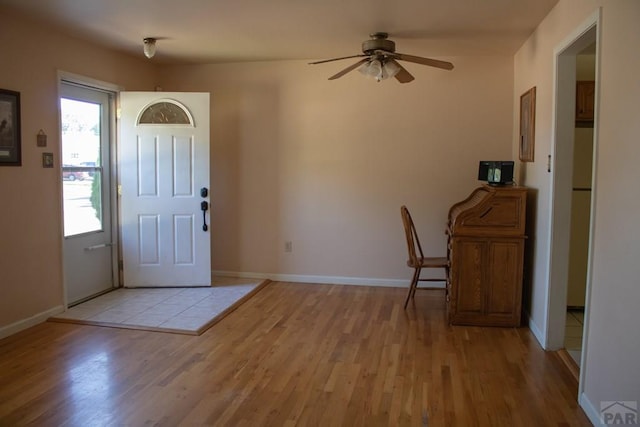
{"x":380,"y":60}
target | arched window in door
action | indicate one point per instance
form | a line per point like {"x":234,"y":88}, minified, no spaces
{"x":166,"y":112}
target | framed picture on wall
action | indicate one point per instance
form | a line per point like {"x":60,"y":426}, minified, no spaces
{"x":527,"y":124}
{"x":10,"y":143}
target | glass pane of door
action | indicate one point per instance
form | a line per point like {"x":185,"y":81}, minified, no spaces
{"x":81,"y":167}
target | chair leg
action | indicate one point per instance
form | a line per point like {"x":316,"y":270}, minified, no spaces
{"x":446,"y":284}
{"x":412,"y":286}
{"x":415,"y":284}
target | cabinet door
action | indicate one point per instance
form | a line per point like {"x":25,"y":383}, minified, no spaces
{"x":585,"y":99}
{"x":468,"y":258}
{"x":504,"y":284}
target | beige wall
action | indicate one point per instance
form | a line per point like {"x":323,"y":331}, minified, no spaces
{"x":295,"y":157}
{"x":327,"y":164}
{"x":613,"y":341}
{"x":30,"y":220}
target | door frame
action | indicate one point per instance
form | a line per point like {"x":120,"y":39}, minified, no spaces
{"x":113,"y":170}
{"x":563,"y":127}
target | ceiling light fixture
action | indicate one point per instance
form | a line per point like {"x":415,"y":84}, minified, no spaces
{"x":379,"y":69}
{"x":149,"y":47}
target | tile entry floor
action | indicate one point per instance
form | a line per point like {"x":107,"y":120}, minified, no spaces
{"x":573,"y":334}
{"x":185,"y":310}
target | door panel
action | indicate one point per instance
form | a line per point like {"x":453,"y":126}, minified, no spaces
{"x":504,"y":286}
{"x":86,"y":143}
{"x":470,"y":257}
{"x":164,"y":165}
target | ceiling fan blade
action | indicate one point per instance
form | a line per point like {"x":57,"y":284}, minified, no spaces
{"x":349,"y":68}
{"x":336,"y":59}
{"x":424,"y":61}
{"x":403,"y":76}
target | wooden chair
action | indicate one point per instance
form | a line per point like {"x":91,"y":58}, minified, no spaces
{"x":418,"y":261}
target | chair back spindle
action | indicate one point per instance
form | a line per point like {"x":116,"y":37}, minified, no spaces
{"x":411,"y":235}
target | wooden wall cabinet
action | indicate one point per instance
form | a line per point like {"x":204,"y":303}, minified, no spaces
{"x":486,"y":250}
{"x":585,"y":100}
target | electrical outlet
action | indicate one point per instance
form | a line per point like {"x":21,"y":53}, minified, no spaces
{"x":288,"y":246}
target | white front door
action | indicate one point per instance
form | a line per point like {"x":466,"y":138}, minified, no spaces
{"x":164,"y":176}
{"x":85,"y":120}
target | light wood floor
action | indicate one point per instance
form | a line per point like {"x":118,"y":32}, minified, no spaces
{"x":294,"y":354}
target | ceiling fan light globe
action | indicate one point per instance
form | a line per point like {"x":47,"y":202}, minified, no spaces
{"x":373,"y":69}
{"x":364,"y":69}
{"x":390,"y":68}
{"x":376,"y":69}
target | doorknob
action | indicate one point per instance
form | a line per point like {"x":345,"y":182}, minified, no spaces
{"x":204,"y":206}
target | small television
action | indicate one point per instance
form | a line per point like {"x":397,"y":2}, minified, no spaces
{"x":496,"y":172}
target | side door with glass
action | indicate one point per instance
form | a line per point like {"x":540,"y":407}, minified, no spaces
{"x":89,"y":253}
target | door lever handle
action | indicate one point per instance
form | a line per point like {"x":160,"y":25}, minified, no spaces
{"x":96,"y":247}
{"x":204,"y":206}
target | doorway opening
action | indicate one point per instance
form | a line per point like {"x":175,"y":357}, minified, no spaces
{"x":580,"y":201}
{"x":573,"y":193}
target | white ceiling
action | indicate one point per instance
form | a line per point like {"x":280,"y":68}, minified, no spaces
{"x":208,"y":31}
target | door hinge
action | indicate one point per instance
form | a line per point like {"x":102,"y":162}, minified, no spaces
{"x":119,"y":190}
{"x":120,"y":265}
{"x":118,"y":113}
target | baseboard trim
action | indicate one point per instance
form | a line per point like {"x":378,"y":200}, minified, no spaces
{"x":536,"y":331}
{"x":592,"y":413}
{"x":23,"y":324}
{"x":332,"y":280}
{"x":570,"y":364}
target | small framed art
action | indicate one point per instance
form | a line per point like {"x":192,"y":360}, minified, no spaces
{"x":527,"y":125}
{"x":47,"y":160}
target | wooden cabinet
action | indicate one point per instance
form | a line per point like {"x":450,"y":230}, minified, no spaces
{"x":585,"y":100}
{"x":486,"y":249}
